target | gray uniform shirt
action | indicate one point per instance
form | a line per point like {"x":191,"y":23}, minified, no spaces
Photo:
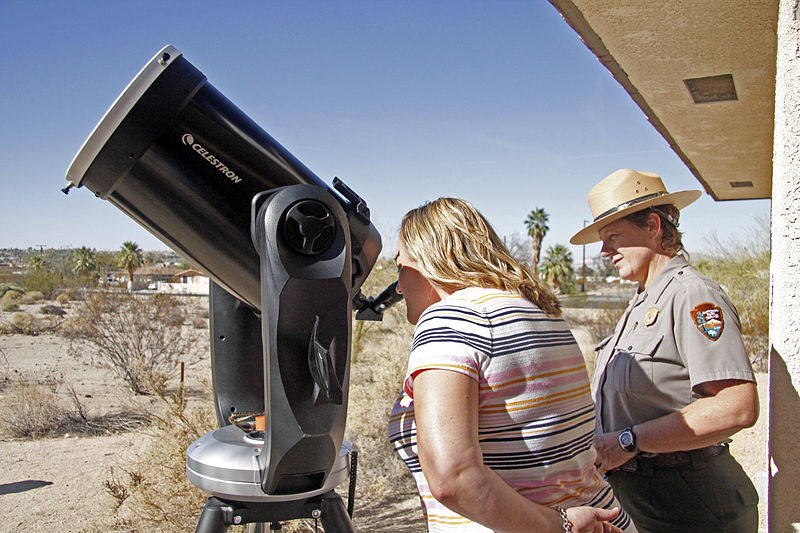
{"x":680,"y":332}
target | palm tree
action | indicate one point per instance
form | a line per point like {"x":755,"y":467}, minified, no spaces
{"x":105,"y":262}
{"x":537,"y":229}
{"x":84,"y":262}
{"x":130,"y":258}
{"x":557,"y":266}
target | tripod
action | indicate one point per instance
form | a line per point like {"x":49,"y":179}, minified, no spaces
{"x":218,"y":514}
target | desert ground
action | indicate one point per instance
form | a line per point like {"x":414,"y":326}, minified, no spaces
{"x":57,"y":483}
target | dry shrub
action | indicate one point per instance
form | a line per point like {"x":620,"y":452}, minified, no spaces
{"x":5,"y":370}
{"x":62,"y":299}
{"x":31,"y":410}
{"x":140,"y":337}
{"x":34,"y":409}
{"x":155,"y":494}
{"x":598,"y":322}
{"x":31,"y":297}
{"x":22,"y":322}
{"x":10,"y":306}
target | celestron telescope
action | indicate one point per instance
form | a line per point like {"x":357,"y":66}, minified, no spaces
{"x":287,"y":256}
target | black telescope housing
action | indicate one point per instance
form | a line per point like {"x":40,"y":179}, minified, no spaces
{"x":184,"y":162}
{"x":286,"y":255}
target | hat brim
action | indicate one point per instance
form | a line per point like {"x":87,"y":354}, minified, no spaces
{"x":590,"y":233}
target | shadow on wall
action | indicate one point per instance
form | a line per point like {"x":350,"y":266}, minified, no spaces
{"x":784,"y":430}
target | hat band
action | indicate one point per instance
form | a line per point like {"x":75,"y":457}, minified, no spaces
{"x":626,"y":205}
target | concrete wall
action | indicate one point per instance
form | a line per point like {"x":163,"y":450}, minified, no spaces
{"x":783,"y":506}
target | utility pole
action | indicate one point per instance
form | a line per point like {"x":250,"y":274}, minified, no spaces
{"x":583,"y":266}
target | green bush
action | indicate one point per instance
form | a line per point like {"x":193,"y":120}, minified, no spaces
{"x":45,"y":281}
{"x":12,"y":295}
{"x":10,"y":305}
{"x":62,"y":299}
{"x":11,"y":290}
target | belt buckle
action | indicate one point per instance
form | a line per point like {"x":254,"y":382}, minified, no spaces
{"x":632,"y":465}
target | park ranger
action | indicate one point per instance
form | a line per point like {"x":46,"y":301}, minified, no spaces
{"x":673,"y":382}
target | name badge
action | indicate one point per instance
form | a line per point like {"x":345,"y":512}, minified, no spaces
{"x":650,"y":316}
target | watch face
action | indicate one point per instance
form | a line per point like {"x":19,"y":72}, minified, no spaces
{"x":626,"y":439}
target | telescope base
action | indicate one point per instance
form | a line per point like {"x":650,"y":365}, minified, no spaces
{"x":218,"y":514}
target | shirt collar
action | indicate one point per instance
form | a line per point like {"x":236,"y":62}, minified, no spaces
{"x":663,"y":278}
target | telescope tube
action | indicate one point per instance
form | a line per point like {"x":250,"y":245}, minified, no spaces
{"x":179,"y":158}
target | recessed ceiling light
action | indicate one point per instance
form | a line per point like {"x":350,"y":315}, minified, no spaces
{"x":711,"y":89}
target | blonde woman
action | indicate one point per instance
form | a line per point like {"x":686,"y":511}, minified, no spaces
{"x":495,"y":420}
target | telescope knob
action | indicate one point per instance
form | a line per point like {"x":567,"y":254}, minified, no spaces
{"x":309,"y":227}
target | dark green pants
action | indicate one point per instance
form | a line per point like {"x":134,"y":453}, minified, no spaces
{"x":713,"y":496}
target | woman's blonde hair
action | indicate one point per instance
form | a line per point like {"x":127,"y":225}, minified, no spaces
{"x":456,"y":248}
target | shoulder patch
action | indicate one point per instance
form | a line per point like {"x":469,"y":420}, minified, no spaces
{"x":708,"y":319}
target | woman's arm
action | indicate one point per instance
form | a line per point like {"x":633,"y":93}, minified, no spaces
{"x":730,"y":405}
{"x":446,"y":414}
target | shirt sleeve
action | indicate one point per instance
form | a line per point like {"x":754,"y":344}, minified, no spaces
{"x":443,"y":341}
{"x":708,"y":334}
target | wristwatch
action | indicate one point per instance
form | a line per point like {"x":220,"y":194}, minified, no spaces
{"x":627,"y":440}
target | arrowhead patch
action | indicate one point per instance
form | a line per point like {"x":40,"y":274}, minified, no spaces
{"x":708,"y":319}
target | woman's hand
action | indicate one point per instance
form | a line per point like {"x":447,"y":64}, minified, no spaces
{"x":610,"y":454}
{"x":592,"y":520}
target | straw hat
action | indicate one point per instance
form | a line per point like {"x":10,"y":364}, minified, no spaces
{"x":624,"y":192}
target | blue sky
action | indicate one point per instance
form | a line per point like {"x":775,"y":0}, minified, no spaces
{"x":497,"y":102}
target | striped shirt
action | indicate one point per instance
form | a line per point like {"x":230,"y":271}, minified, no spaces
{"x":535,"y":411}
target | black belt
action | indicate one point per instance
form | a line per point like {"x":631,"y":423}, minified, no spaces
{"x":696,"y":458}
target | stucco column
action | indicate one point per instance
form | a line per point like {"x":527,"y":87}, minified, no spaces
{"x":783,"y":505}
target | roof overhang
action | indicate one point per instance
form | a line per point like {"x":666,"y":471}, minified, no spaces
{"x":702,"y":71}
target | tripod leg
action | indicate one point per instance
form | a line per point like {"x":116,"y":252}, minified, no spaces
{"x":334,"y":515}
{"x":211,"y":519}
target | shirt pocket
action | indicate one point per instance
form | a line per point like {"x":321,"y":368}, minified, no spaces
{"x":640,"y":372}
{"x":632,"y":365}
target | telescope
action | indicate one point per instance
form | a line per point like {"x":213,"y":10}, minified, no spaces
{"x":286,"y":255}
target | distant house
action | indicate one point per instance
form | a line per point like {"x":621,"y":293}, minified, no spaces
{"x":143,"y":276}
{"x":189,"y":281}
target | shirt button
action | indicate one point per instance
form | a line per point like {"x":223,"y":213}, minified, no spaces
{"x":630,"y":347}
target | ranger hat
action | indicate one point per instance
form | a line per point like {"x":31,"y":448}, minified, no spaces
{"x":624,"y":192}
